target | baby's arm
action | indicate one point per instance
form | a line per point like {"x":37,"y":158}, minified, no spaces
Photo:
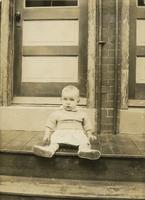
{"x":47,"y":136}
{"x":50,"y":128}
{"x":88,"y":128}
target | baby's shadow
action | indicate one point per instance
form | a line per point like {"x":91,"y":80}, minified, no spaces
{"x":67,"y":148}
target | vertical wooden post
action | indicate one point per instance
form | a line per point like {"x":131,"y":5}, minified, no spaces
{"x":91,"y":53}
{"x":0,"y":59}
{"x":124,"y":53}
{"x":6,"y":51}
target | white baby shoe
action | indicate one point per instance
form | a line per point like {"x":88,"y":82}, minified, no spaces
{"x":90,"y":154}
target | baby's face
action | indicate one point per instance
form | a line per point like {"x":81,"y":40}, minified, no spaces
{"x":69,"y":101}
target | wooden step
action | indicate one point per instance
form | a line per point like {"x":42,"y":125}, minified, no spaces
{"x":121,"y":145}
{"x":123,"y":159}
{"x":69,"y":189}
{"x":72,"y":167}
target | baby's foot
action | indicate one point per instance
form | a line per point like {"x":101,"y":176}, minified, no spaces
{"x":90,"y":154}
{"x":44,"y":151}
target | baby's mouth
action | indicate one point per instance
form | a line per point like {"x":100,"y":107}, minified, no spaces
{"x":68,"y":107}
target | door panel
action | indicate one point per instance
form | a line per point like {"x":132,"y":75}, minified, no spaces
{"x":52,"y":69}
{"x":50,"y":32}
{"x":50,"y":49}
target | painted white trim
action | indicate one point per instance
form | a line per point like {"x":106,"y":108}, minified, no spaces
{"x":43,"y":100}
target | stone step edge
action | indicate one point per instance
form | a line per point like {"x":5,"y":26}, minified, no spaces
{"x":74,"y":154}
{"x":65,"y":188}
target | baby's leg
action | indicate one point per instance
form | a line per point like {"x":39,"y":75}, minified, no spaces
{"x":86,"y":152}
{"x":46,"y":151}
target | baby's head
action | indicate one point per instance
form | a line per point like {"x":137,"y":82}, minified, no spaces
{"x":70,"y":97}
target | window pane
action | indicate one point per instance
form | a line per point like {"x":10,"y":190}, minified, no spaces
{"x":140,"y":30}
{"x":51,"y":32}
{"x":50,"y":69}
{"x":49,"y":3}
{"x":140,"y":70}
{"x":141,"y":2}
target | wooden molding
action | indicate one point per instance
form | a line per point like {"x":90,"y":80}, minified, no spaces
{"x":6,"y":62}
{"x":136,"y":103}
{"x":124,"y":53}
{"x":91,"y":52}
{"x":43,"y":100}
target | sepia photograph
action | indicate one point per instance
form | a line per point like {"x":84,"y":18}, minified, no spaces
{"x":72,"y":99}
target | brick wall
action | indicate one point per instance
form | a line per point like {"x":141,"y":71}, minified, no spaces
{"x":108,"y":62}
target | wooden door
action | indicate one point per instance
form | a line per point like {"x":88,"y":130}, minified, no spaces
{"x":50,"y":47}
{"x":137,"y":49}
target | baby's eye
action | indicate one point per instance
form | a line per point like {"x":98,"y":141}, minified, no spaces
{"x":71,"y":99}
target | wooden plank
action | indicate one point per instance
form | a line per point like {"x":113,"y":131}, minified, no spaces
{"x":136,"y":103}
{"x":71,"y":188}
{"x":140,"y":51}
{"x":43,"y":100}
{"x":29,"y":89}
{"x":50,"y":32}
{"x":6,"y":55}
{"x":35,"y":140}
{"x":119,"y":146}
{"x":18,"y":50}
{"x":140,"y":91}
{"x":50,"y":50}
{"x":126,"y":147}
{"x":123,"y":145}
{"x":50,"y":69}
{"x":139,"y":141}
{"x":83,"y":44}
{"x":19,"y":142}
{"x":91,"y":75}
{"x":50,"y":13}
{"x":132,"y":52}
{"x":112,"y":141}
{"x":124,"y":52}
{"x":140,"y":12}
{"x":7,"y":137}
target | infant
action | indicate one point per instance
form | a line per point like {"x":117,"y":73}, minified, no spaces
{"x":68,"y":125}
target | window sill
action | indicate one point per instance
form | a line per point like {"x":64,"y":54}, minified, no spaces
{"x":43,"y":101}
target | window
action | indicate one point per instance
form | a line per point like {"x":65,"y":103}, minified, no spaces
{"x":50,"y":3}
{"x":137,"y":50}
{"x":141,"y":2}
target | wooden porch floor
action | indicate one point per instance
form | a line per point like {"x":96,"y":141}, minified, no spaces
{"x":121,"y":145}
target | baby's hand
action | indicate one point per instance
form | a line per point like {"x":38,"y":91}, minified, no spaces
{"x":91,"y":137}
{"x":46,"y":139}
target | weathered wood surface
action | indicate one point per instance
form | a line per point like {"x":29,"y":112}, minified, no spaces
{"x":124,"y":53}
{"x":50,"y":50}
{"x":123,"y":145}
{"x":71,"y":188}
{"x":7,"y":51}
{"x":50,"y":13}
{"x":91,"y":52}
{"x":136,"y":103}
